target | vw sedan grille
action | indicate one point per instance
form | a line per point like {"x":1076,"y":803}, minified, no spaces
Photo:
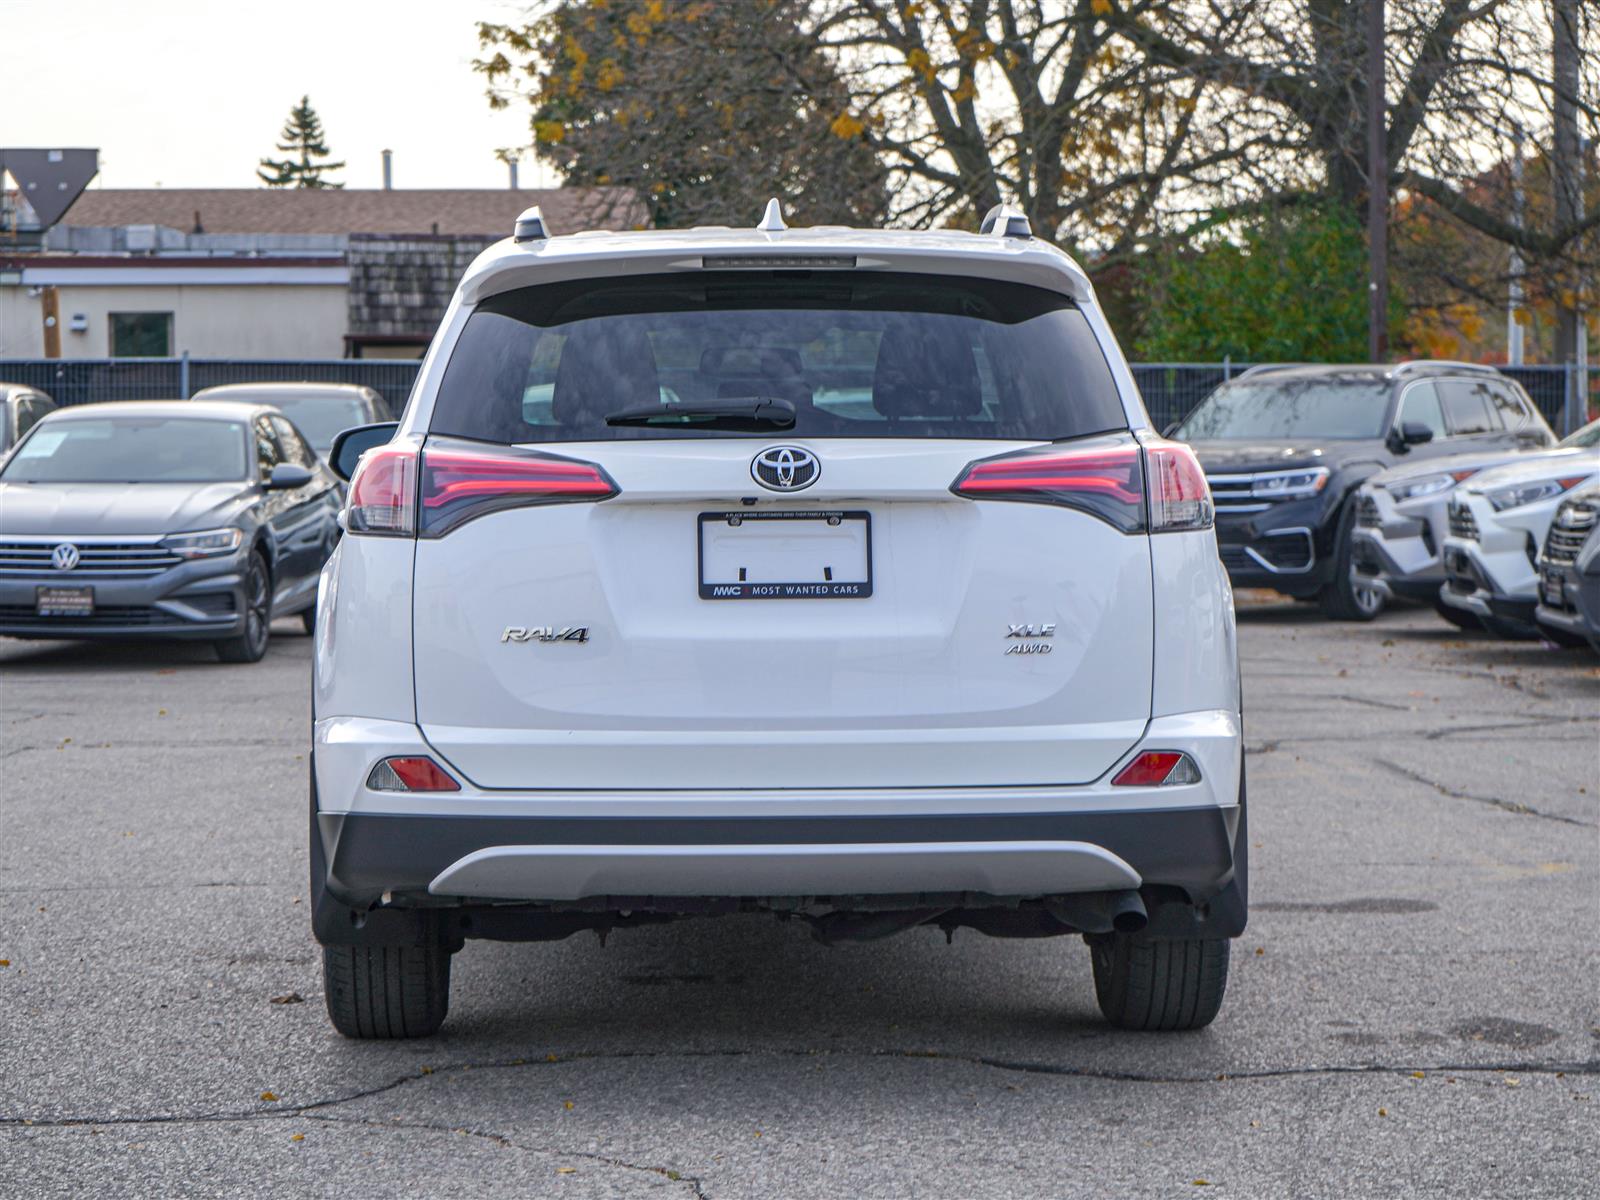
{"x":94,"y":558}
{"x":1462,"y":523}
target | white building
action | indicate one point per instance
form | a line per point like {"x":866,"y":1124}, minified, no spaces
{"x":262,"y":273}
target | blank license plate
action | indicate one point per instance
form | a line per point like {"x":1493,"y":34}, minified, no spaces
{"x":64,"y":601}
{"x":785,"y":555}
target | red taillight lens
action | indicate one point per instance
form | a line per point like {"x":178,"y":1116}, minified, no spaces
{"x":1107,"y":481}
{"x":1179,"y":497}
{"x":458,"y":485}
{"x":383,"y":494}
{"x":416,"y":774}
{"x":1154,"y":768}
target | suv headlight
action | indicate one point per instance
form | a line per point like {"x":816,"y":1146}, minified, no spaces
{"x":1289,"y":485}
{"x":1427,"y":485}
{"x":207,"y":543}
{"x":1515,"y":495}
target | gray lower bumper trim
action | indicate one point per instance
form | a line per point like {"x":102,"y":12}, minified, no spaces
{"x":873,"y":868}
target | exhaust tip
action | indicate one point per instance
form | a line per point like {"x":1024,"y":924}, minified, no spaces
{"x":1128,"y":913}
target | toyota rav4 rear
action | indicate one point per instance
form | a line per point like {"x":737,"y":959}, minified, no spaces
{"x":835,"y":574}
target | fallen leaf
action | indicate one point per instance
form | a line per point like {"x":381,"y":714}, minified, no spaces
{"x":1260,"y":950}
{"x":1383,"y":1112}
{"x":297,"y":1137}
{"x":289,"y":998}
{"x":160,"y":712}
{"x":1513,"y":1082}
{"x":269,"y":1096}
{"x":427,"y":1070}
{"x":567,"y":1104}
{"x":566,"y":1170}
{"x":1202,"y":1183}
{"x":1416,"y":1075}
{"x":5,"y":962}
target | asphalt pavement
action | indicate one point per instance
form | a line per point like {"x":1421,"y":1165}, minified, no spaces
{"x":1414,"y":1009}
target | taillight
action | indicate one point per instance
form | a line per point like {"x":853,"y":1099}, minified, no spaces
{"x":1158,"y":768}
{"x":416,"y":773}
{"x":460,"y":484}
{"x":1179,"y":497}
{"x":383,"y":494}
{"x":1107,"y":481}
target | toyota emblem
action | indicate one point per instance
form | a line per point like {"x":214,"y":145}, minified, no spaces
{"x":785,"y":468}
{"x":64,"y":557}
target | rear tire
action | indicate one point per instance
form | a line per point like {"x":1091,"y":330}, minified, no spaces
{"x":1342,"y":598}
{"x":1459,"y":617}
{"x":387,"y":991}
{"x":251,"y":644}
{"x":1147,"y":985}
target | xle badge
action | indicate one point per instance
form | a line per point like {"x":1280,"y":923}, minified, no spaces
{"x":1024,"y":636}
{"x":546,"y":633}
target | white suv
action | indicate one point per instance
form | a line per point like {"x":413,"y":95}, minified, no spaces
{"x":829,"y":573}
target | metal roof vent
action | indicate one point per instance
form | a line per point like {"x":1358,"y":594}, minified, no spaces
{"x":772,"y":219}
{"x":1004,"y":221}
{"x":530,"y":227}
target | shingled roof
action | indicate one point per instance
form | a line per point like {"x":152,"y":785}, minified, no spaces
{"x":349,"y":210}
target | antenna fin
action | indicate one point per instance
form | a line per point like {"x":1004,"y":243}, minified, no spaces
{"x":772,"y":219}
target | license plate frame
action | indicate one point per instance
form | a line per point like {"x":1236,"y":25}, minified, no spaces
{"x":773,"y":589}
{"x":57,"y":602}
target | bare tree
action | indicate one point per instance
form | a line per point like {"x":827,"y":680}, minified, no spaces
{"x":704,"y":109}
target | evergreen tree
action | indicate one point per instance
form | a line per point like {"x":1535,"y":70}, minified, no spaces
{"x":301,"y":140}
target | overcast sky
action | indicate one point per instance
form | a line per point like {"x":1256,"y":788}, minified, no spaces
{"x":191,"y":93}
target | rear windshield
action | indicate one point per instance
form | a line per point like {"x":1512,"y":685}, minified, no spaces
{"x":129,"y":450}
{"x":1292,"y":408}
{"x":857,"y":355}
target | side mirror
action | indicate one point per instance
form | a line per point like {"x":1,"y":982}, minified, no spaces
{"x":350,"y":445}
{"x":287,"y":476}
{"x":1414,"y":433}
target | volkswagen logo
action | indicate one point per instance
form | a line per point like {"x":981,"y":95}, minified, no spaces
{"x":785,"y":468}
{"x":64,"y":557}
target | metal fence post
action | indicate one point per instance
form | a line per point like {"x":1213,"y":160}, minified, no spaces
{"x":183,"y":376}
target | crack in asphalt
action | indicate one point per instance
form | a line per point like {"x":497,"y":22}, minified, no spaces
{"x":1510,"y":806}
{"x":315,"y":1108}
{"x":670,"y":1173}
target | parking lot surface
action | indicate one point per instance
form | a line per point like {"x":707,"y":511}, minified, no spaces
{"x":1414,"y":1010}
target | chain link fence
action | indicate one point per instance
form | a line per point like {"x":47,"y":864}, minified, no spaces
{"x":1170,"y":390}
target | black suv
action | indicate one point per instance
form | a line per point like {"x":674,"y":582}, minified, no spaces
{"x":1284,"y":449}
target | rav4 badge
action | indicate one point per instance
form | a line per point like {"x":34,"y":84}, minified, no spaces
{"x":546,"y":633}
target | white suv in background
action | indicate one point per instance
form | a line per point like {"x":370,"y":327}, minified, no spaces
{"x":831,"y":573}
{"x":1498,"y":522}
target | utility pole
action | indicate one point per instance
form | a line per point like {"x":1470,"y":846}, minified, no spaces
{"x":1514,"y":290}
{"x":1377,"y":190}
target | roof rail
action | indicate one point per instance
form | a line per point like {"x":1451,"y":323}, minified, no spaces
{"x":772,"y":220}
{"x":530,"y":227}
{"x":1442,"y":364}
{"x":1004,"y":221}
{"x":1264,"y":368}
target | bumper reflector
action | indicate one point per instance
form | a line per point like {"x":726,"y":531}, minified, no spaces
{"x":419,"y":774}
{"x":1158,"y":768}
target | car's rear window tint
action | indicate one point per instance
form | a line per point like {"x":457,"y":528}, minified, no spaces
{"x":857,"y":354}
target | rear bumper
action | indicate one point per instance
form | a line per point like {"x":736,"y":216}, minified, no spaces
{"x":559,"y":859}
{"x":481,"y":845}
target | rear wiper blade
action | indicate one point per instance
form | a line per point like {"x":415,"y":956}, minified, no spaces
{"x":731,"y":413}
